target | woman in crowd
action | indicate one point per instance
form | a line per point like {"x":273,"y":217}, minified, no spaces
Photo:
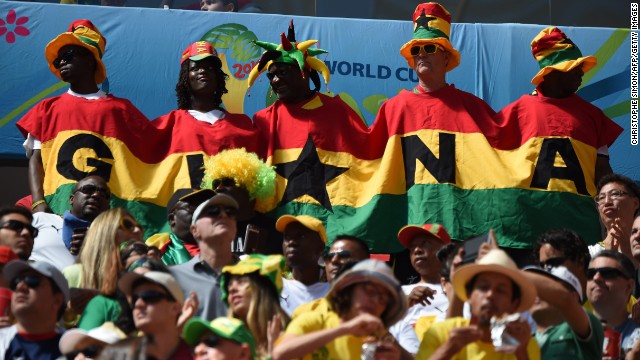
{"x":251,"y":289}
{"x":365,"y":300}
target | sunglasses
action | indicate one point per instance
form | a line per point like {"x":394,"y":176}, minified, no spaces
{"x":92,"y":189}
{"x":89,"y":352}
{"x":279,"y":73}
{"x":608,"y":273}
{"x":342,"y":254}
{"x":226,"y":182}
{"x":553,"y":262}
{"x":427,"y":48}
{"x":17,"y":226}
{"x":32,"y":281}
{"x":128,"y":225}
{"x":151,"y":297}
{"x":215,"y":211}
{"x":67,"y":56}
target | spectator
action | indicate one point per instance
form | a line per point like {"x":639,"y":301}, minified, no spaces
{"x":344,"y":249}
{"x":251,"y":288}
{"x":39,"y":299}
{"x":156,"y":299}
{"x":244,"y":177}
{"x":60,"y":238}
{"x":213,"y":226}
{"x":16,"y":231}
{"x":303,"y":241}
{"x":554,"y":109}
{"x":618,"y":200}
{"x":494,"y":287}
{"x":179,"y":246}
{"x":81,"y":344}
{"x":564,"y":328}
{"x":222,"y":338}
{"x":609,"y":287}
{"x":134,"y":250}
{"x":564,"y":248}
{"x":365,"y":300}
{"x":219,"y":5}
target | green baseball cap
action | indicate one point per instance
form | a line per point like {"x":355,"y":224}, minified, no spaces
{"x":225,"y":327}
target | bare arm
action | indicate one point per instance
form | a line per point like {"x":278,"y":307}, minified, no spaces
{"x":36,"y":181}
{"x":296,"y":346}
{"x":562,"y":298}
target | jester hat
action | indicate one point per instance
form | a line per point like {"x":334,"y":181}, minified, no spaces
{"x":555,"y":51}
{"x":246,"y":170}
{"x":431,"y":25}
{"x":291,"y":52}
{"x":269,"y":266}
{"x":81,"y":33}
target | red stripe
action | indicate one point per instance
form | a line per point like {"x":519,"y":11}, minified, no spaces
{"x":548,"y":41}
{"x":431,"y":9}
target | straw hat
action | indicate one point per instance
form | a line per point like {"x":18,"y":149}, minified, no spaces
{"x":495,"y":261}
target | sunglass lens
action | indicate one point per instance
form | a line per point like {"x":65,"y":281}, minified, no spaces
{"x":32,"y":281}
{"x":211,"y":340}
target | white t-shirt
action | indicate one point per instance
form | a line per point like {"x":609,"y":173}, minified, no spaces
{"x":48,"y":246}
{"x":208,"y":117}
{"x":294,"y":293}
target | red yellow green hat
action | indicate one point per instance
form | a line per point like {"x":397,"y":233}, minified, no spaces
{"x":431,"y":25}
{"x":200,"y":50}
{"x":269,"y":266}
{"x":555,"y":51}
{"x":290,"y":51}
{"x":81,"y":33}
{"x":407,"y":233}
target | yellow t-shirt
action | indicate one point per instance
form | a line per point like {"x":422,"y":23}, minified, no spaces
{"x":320,"y":305}
{"x":341,"y":348}
{"x":438,"y":334}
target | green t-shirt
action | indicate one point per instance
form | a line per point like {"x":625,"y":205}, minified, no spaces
{"x":560,"y":342}
{"x":99,"y":310}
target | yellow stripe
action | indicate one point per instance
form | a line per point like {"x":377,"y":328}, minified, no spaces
{"x":131,"y":178}
{"x":478,"y":166}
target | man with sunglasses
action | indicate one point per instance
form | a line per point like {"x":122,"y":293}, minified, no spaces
{"x":213,"y":226}
{"x":16,"y":231}
{"x":40,"y":295}
{"x":179,"y":246}
{"x":223,"y":338}
{"x":60,"y":237}
{"x":156,"y":300}
{"x":610,"y":282}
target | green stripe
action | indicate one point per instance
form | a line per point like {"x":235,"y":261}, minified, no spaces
{"x":90,"y":42}
{"x":518,"y":216}
{"x":432,"y":33}
{"x":606,"y":51}
{"x":152,"y":217}
{"x":619,"y":109}
{"x":29,"y":103}
{"x":559,"y":56}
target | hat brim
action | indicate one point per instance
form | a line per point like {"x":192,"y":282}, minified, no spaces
{"x":194,"y":329}
{"x":462,"y":276}
{"x":53,"y":48}
{"x":407,"y":233}
{"x":284,"y":220}
{"x":395,"y":310}
{"x":76,"y":339}
{"x":587,"y":62}
{"x":454,"y":59}
{"x":204,"y":56}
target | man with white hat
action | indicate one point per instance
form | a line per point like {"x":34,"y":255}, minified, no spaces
{"x":564,"y":328}
{"x":213,"y":226}
{"x":89,"y":343}
{"x":302,"y":246}
{"x":494,"y":288}
{"x":156,"y":300}
{"x":40,"y":295}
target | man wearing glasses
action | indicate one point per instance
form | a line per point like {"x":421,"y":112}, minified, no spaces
{"x":40,"y":295}
{"x":610,"y":283}
{"x":618,"y":200}
{"x":222,"y":338}
{"x":156,"y":300}
{"x":213,"y":226}
{"x":60,"y":237}
{"x":16,"y":231}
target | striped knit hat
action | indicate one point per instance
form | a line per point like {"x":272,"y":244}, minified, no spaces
{"x":431,"y":25}
{"x":555,"y":51}
{"x":81,"y":33}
